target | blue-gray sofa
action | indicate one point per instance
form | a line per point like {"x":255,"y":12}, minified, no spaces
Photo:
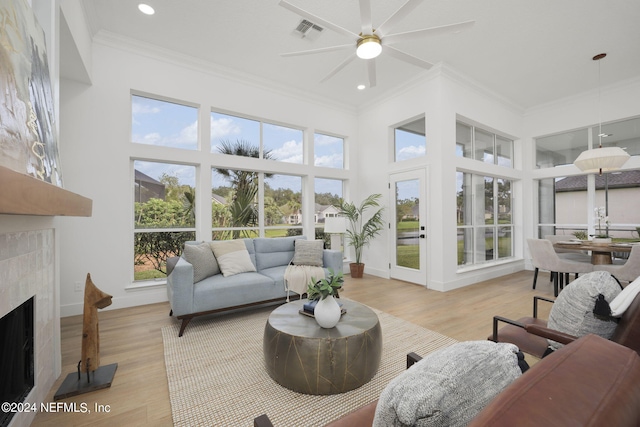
{"x":270,"y":257}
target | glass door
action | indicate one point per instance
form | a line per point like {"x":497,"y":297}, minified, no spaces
{"x":408,"y":227}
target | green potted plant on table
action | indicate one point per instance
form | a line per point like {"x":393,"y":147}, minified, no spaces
{"x":359,"y":231}
{"x":327,"y":311}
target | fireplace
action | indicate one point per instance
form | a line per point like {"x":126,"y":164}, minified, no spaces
{"x":16,"y":357}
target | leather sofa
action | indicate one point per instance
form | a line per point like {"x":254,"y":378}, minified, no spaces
{"x":591,"y":381}
{"x":217,"y":293}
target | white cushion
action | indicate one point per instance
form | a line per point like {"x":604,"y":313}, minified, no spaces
{"x":624,"y":299}
{"x":233,"y":257}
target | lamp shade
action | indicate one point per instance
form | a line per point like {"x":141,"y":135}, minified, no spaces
{"x":601,"y":159}
{"x":335,"y":225}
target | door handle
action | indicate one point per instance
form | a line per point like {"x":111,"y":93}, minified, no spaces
{"x":422,"y":236}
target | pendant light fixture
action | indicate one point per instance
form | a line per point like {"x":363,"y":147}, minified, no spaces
{"x":601,"y":159}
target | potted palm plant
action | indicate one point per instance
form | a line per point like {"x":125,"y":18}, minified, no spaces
{"x":359,"y":231}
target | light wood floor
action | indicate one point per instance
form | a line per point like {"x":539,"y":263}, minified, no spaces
{"x":131,"y":337}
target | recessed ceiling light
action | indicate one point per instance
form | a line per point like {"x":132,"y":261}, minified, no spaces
{"x":146,"y":9}
{"x":361,"y":87}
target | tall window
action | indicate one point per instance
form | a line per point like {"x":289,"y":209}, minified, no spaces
{"x":251,"y":138}
{"x":328,"y":151}
{"x":243,"y":202}
{"x":328,"y":193}
{"x":164,"y":124}
{"x":563,"y":148}
{"x":410,"y":140}
{"x":164,"y":212}
{"x":483,"y":145}
{"x":283,"y":212}
{"x":563,"y":205}
{"x":484,"y":217}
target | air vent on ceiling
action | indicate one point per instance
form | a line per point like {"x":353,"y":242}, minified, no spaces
{"x":307,"y":28}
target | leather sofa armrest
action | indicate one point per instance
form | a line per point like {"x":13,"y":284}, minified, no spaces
{"x":551,"y":334}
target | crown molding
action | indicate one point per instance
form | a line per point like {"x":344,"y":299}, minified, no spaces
{"x":443,"y":69}
{"x":581,"y":97}
{"x":151,"y":51}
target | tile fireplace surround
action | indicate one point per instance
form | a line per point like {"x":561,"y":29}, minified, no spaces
{"x":27,"y":268}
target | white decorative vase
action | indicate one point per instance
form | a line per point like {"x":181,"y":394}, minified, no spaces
{"x":327,"y":312}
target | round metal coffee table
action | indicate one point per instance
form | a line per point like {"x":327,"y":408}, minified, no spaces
{"x":303,"y":357}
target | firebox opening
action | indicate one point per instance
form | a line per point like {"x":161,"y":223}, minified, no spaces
{"x":16,"y":356}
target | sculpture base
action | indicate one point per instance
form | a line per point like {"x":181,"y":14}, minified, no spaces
{"x":98,"y":379}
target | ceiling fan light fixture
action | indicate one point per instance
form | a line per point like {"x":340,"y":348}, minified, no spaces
{"x":369,"y":47}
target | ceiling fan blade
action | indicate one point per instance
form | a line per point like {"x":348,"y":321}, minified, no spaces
{"x":317,"y":20}
{"x":320,"y":50}
{"x":399,"y":14}
{"x":398,"y":54}
{"x":339,"y":67}
{"x":433,"y":31}
{"x":365,"y":17}
{"x":371,"y":72}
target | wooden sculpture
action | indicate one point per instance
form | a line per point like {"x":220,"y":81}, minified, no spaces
{"x":90,"y":376}
{"x":94,"y":299}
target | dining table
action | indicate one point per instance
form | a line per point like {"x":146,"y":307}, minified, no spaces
{"x":600,"y":252}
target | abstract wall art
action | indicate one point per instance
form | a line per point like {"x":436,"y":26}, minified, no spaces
{"x":27,"y":118}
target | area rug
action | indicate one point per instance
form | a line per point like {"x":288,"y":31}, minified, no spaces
{"x":217,"y":376}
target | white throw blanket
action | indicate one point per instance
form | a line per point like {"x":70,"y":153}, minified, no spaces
{"x":298,"y":277}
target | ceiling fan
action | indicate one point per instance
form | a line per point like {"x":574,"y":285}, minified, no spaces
{"x":372,"y":42}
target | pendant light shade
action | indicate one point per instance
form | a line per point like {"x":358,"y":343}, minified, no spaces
{"x":601,"y":159}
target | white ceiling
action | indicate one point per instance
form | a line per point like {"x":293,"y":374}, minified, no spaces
{"x":529,"y":51}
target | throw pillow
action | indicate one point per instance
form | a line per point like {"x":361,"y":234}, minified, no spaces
{"x":448,"y":387}
{"x":201,"y":258}
{"x":572,"y":312}
{"x":624,"y":299}
{"x":233,"y":257}
{"x":308,"y":252}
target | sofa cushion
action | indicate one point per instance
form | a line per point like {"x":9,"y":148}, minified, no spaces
{"x":449,"y":386}
{"x":308,"y":252}
{"x":274,"y":252}
{"x":201,"y":258}
{"x":572,"y":312}
{"x":219,"y":292}
{"x":232,"y":256}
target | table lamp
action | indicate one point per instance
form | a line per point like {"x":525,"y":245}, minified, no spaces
{"x":335,"y":225}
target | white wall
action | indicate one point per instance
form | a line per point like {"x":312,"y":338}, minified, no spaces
{"x":95,"y":151}
{"x":440,"y":97}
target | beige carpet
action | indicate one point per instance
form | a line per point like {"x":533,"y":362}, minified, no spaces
{"x":217,"y":377}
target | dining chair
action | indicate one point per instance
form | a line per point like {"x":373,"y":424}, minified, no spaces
{"x":582,"y":256}
{"x":624,"y":271}
{"x":543,"y":256}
